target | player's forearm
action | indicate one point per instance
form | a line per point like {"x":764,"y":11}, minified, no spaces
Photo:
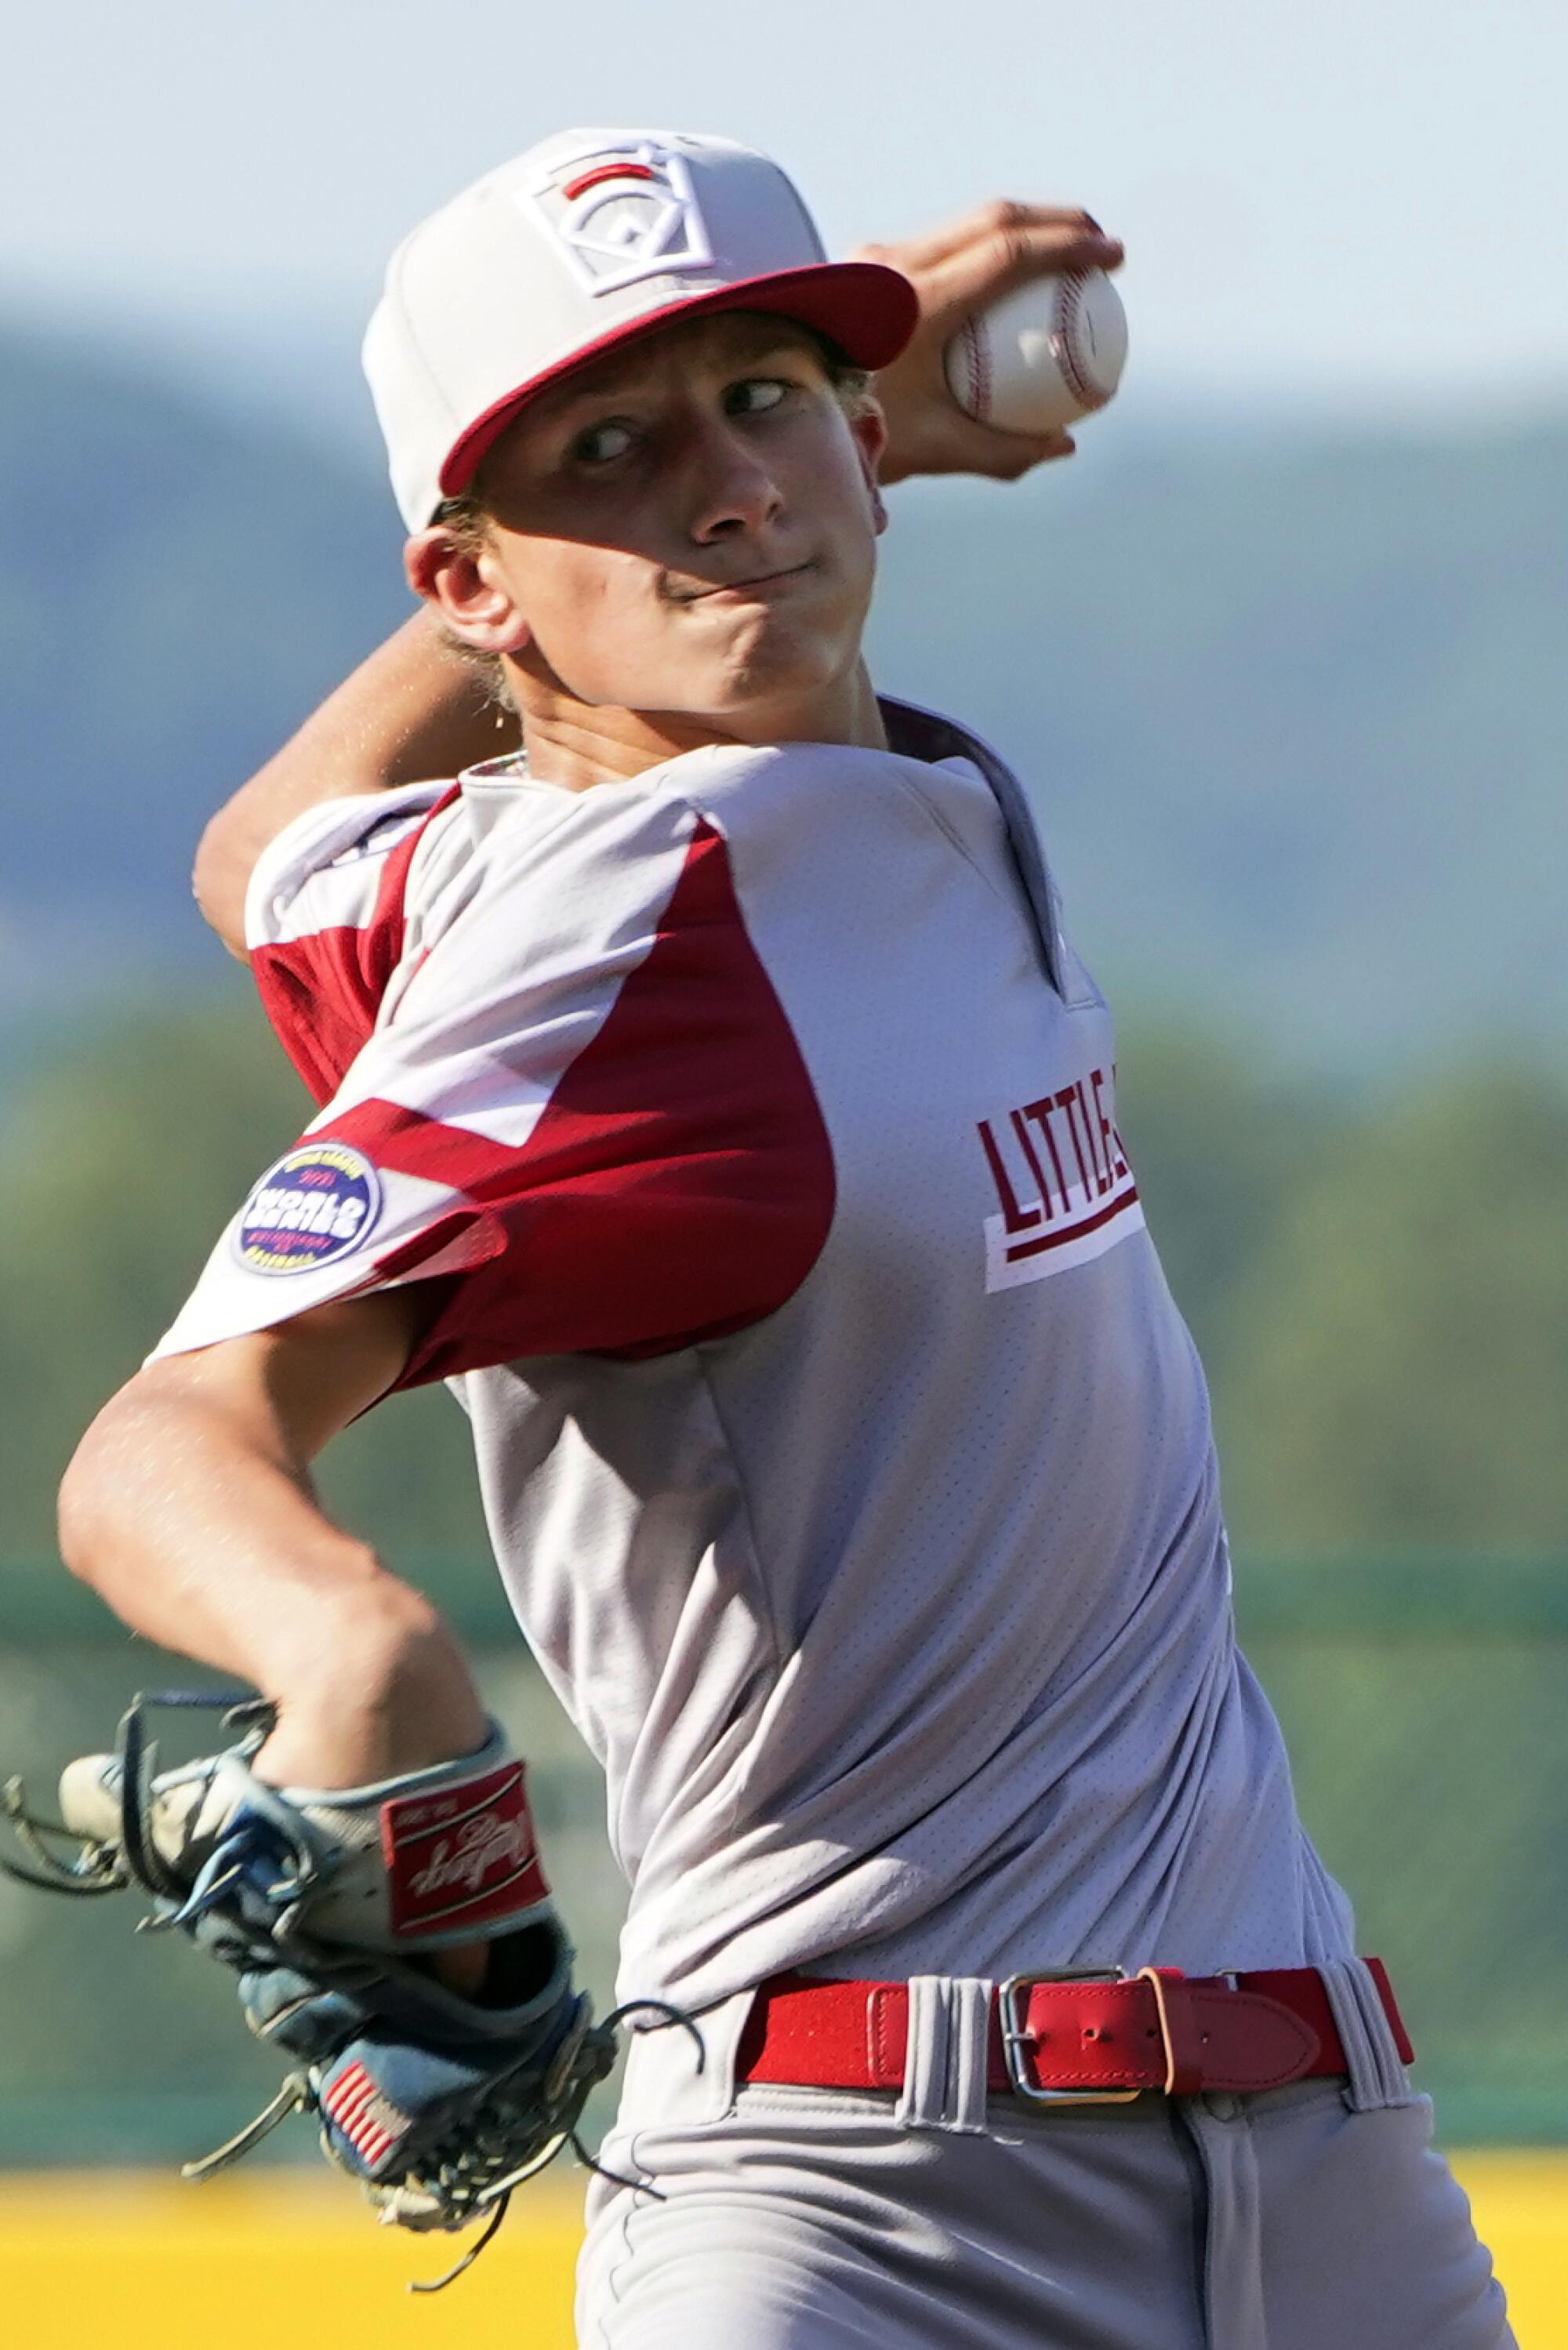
{"x":412,"y":710}
{"x":196,"y":1523}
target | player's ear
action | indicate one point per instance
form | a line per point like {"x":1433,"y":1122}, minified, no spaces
{"x":869,"y":428}
{"x":460,"y":577}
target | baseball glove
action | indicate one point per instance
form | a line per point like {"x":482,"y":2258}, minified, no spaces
{"x":327,"y":1905}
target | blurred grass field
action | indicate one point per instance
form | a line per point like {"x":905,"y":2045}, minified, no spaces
{"x":140,"y":2260}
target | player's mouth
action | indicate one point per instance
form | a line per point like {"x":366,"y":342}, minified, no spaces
{"x":759,"y":588}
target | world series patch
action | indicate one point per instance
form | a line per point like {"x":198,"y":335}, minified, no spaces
{"x":317,"y":1204}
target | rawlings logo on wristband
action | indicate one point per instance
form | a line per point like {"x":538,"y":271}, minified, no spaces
{"x":464,"y":1856}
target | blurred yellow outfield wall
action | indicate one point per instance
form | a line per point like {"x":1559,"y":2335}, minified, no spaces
{"x":140,"y":2261}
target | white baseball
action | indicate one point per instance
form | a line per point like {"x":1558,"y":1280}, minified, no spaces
{"x":1040,"y":358}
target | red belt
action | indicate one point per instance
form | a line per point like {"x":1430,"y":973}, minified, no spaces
{"x":1094,"y":2038}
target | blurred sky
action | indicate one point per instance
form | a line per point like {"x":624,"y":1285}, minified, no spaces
{"x":1356,"y":206}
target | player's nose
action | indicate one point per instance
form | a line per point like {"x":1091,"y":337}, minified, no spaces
{"x":732,"y":489}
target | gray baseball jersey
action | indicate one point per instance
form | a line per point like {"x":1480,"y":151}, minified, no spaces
{"x":847,"y":1462}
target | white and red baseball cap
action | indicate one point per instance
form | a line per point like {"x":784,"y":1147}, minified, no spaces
{"x":590,"y":239}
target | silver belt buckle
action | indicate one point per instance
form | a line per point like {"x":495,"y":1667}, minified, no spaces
{"x":1017,"y":2040}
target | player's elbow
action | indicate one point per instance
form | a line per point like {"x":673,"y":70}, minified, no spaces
{"x":85,"y":1512}
{"x":220,"y":878}
{"x":107,"y":1494}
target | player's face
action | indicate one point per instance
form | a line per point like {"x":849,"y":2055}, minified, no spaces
{"x":689,"y":526}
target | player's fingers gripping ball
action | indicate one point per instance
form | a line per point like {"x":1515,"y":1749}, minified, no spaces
{"x":330,"y":1905}
{"x":1042,"y":357}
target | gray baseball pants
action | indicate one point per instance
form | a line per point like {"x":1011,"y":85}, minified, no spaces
{"x":1309,"y":2217}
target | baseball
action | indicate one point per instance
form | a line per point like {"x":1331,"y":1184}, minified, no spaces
{"x":1042,"y":358}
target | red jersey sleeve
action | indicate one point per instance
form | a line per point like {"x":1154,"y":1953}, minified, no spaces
{"x":586,"y":1115}
{"x":326,"y":923}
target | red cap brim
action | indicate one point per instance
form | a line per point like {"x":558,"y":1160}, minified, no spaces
{"x":869,"y":310}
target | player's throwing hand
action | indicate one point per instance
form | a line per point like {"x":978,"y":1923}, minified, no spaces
{"x":955,"y":270}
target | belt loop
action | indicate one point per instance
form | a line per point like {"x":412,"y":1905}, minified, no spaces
{"x":1179,"y":2037}
{"x":945,"y":2065}
{"x":1377,"y":2076}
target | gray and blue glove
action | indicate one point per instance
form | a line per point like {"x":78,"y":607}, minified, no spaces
{"x":328,"y":1904}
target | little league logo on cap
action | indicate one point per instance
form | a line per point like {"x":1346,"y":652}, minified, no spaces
{"x":624,"y":218}
{"x":585,"y":241}
{"x":319,"y":1202}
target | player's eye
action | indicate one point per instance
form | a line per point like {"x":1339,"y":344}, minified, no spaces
{"x":602,"y":444}
{"x":754,"y":395}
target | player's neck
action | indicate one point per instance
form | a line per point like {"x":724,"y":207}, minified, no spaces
{"x":578,"y":744}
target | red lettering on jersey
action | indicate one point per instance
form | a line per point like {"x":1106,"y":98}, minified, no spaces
{"x":1095,"y":1121}
{"x":1016,"y":1219}
{"x":1117,"y":1146}
{"x":1067,"y":1100}
{"x":1079,"y":1213}
{"x":1040,"y":1112}
{"x":1026,"y":1144}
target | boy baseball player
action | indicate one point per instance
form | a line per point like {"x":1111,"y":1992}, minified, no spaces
{"x":709,"y":1090}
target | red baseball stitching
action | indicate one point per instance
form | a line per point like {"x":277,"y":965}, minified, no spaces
{"x":977,"y":350}
{"x":1069,"y":303}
